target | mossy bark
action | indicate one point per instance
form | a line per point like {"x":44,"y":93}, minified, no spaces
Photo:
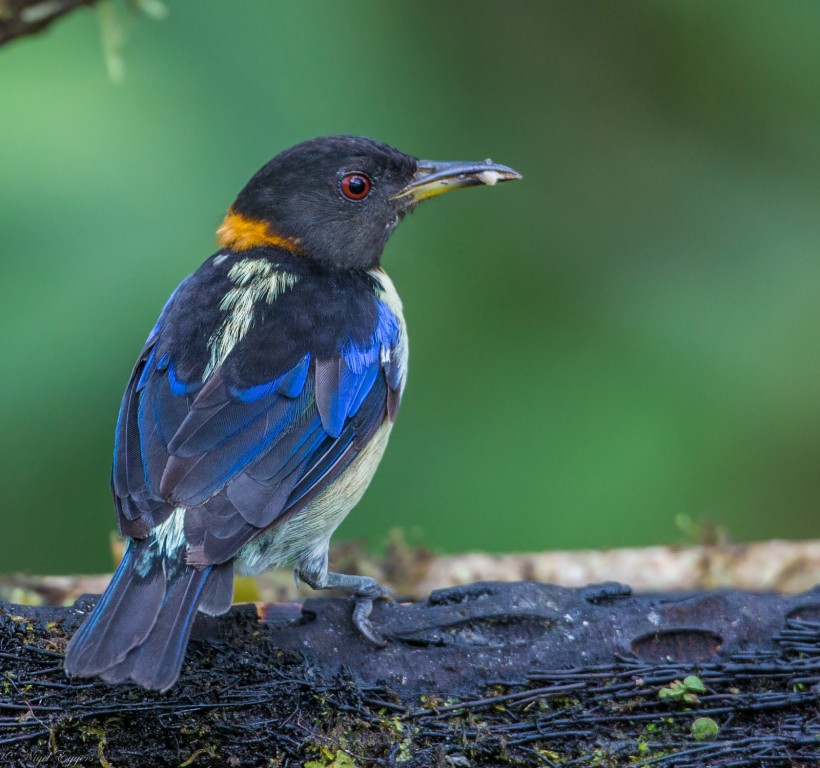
{"x":488,"y":674}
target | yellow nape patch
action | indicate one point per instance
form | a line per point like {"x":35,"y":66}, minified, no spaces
{"x":239,"y":233}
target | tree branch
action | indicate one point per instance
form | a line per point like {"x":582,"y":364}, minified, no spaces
{"x":413,"y":572}
{"x":26,"y":17}
{"x":521,"y":673}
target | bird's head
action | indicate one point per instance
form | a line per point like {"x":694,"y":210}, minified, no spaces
{"x":337,"y":199}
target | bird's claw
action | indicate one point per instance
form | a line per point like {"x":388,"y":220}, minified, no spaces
{"x":363,"y":607}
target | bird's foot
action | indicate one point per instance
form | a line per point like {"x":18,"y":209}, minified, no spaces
{"x":363,"y":607}
{"x":365,"y":591}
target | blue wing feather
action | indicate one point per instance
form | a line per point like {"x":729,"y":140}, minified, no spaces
{"x":366,"y":382}
{"x":293,"y":382}
{"x":289,"y":384}
{"x":179,"y":388}
{"x":240,"y":456}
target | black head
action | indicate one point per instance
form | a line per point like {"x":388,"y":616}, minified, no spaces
{"x":338,"y":198}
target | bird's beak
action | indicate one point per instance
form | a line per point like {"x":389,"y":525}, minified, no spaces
{"x":433,"y":178}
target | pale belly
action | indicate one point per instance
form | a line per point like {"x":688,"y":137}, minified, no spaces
{"x":304,"y":537}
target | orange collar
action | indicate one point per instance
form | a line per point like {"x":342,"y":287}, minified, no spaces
{"x":239,"y":233}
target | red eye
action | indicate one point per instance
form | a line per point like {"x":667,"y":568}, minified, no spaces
{"x":355,"y":186}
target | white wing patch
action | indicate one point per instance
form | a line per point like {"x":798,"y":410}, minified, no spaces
{"x":167,"y":541}
{"x":254,"y":280}
{"x":169,"y":536}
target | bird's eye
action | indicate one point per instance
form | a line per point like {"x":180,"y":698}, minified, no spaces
{"x":355,"y":186}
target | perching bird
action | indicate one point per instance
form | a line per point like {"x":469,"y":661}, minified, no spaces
{"x":261,"y":403}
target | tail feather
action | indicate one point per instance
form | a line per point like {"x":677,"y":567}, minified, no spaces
{"x":218,"y":593}
{"x":157,"y":661}
{"x":121,"y":620}
{"x":140,"y":627}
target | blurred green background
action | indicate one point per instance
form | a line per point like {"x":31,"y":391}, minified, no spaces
{"x":630,"y":334}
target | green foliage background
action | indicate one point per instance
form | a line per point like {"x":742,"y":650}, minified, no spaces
{"x":629,"y":334}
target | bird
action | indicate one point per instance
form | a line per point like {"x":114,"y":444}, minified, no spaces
{"x":261,"y":403}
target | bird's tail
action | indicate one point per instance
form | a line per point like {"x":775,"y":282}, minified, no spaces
{"x":140,"y":627}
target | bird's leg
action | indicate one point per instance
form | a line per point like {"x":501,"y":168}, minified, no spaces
{"x":364,"y":590}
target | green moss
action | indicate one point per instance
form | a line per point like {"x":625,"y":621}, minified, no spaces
{"x":339,"y":759}
{"x":704,"y":728}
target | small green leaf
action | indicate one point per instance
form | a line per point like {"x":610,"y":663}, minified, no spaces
{"x":674,"y":690}
{"x":687,"y":690}
{"x":694,"y":684}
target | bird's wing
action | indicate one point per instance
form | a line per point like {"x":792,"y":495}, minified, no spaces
{"x":239,"y":456}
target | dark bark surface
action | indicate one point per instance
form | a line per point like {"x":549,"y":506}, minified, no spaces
{"x":489,"y":674}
